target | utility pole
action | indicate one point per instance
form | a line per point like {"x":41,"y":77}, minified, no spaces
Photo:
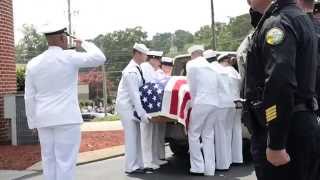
{"x":69,"y":21}
{"x":213,"y":27}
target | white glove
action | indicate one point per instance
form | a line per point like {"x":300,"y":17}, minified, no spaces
{"x":146,"y":119}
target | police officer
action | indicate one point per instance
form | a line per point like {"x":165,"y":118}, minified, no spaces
{"x":130,"y":110}
{"x":280,"y":90}
{"x":51,"y":100}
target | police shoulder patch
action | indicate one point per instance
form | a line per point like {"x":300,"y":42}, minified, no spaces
{"x":274,"y":36}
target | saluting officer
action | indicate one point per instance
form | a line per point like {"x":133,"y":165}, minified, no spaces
{"x":51,"y":100}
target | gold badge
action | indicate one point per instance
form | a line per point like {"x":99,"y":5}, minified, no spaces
{"x":271,"y":113}
{"x":274,"y":36}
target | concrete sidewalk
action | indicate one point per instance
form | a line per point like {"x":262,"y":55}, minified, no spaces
{"x":10,"y":175}
{"x":102,"y":126}
{"x":89,"y":157}
{"x":83,"y":158}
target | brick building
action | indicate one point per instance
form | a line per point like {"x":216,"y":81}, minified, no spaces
{"x":7,"y":63}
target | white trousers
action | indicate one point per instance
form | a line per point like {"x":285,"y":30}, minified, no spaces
{"x":159,"y":142}
{"x":161,"y":137}
{"x":147,"y":142}
{"x":152,"y":140}
{"x":236,"y":143}
{"x":203,"y":119}
{"x":132,"y":138}
{"x":223,"y":135}
{"x":59,"y":150}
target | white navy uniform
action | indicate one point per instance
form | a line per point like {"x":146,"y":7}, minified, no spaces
{"x":160,"y":134}
{"x":128,"y":102}
{"x":229,"y":82}
{"x":148,"y":140}
{"x":51,"y":100}
{"x":204,"y":92}
{"x":234,"y":119}
{"x":222,"y":147}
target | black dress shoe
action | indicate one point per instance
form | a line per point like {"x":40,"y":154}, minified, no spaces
{"x":138,"y":171}
{"x":196,"y":174}
{"x":149,"y":170}
{"x":222,"y":170}
{"x":236,"y":164}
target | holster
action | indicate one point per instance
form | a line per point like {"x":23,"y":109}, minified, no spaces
{"x":253,"y":116}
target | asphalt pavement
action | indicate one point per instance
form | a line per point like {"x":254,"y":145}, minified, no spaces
{"x":177,"y":168}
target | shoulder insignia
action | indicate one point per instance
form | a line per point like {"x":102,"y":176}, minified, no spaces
{"x":274,"y":36}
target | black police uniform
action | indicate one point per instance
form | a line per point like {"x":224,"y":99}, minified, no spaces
{"x":280,"y":90}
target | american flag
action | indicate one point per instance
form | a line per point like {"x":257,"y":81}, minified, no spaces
{"x":169,"y":97}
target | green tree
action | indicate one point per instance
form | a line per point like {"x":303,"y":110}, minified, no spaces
{"x":21,"y":71}
{"x":117,"y":46}
{"x":181,"y":38}
{"x":229,"y":36}
{"x":31,"y":45}
{"x":204,"y":36}
{"x":162,"y":42}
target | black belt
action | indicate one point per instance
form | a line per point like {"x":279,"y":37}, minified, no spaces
{"x":311,"y":105}
{"x":301,"y":107}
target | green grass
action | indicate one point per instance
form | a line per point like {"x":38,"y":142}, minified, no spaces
{"x":108,"y":118}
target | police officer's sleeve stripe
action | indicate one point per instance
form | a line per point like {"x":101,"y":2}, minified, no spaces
{"x":271,"y":118}
{"x":271,"y":109}
{"x":271,"y":113}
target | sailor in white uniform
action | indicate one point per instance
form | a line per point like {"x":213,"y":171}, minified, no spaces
{"x":167,"y":65}
{"x":150,"y":131}
{"x":229,"y":83}
{"x":210,"y":55}
{"x":203,"y":83}
{"x":51,"y":100}
{"x":130,"y":110}
{"x":234,"y":117}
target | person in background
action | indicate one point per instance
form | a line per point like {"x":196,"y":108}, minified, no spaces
{"x":210,"y":55}
{"x":167,"y":65}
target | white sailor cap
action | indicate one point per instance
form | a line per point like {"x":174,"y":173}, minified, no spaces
{"x":51,"y":29}
{"x":224,"y":56}
{"x":209,"y":54}
{"x":155,"y":53}
{"x":195,"y":48}
{"x":167,"y":61}
{"x":141,"y":48}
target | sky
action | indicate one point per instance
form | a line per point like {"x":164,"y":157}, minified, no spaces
{"x":93,"y":17}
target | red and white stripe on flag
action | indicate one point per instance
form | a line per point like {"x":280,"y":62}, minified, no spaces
{"x":176,"y":102}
